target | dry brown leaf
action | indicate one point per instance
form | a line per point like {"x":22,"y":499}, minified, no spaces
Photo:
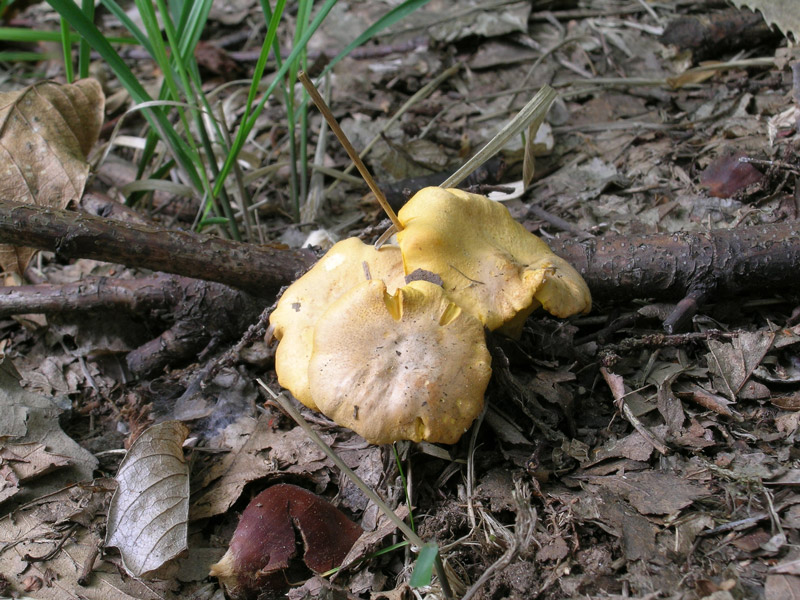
{"x":31,"y":420}
{"x":267,"y":452}
{"x":370,"y":540}
{"x":38,"y":528}
{"x":31,"y":460}
{"x":782,"y":587}
{"x":788,"y":566}
{"x":653,"y":493}
{"x":789,"y":402}
{"x":636,"y":533}
{"x":633,"y":446}
{"x":782,"y":13}
{"x":46,"y":132}
{"x":732,"y":363}
{"x":148,"y":516}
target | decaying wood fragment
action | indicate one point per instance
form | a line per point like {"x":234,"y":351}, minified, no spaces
{"x":690,"y":267}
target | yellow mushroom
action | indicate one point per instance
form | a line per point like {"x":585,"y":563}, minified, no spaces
{"x":490,"y":265}
{"x":409,"y":365}
{"x":346,"y":265}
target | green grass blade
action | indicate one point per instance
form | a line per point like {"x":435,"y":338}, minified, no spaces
{"x":116,"y":10}
{"x":153,"y":30}
{"x":177,"y":10}
{"x":91,"y":34}
{"x":423,"y":569}
{"x":163,"y":94}
{"x":20,"y":34}
{"x":303,"y":19}
{"x":405,"y":486}
{"x":22,"y":56}
{"x":84,"y":50}
{"x":66,"y":48}
{"x":156,"y":116}
{"x":212,"y":221}
{"x":246,"y":127}
{"x":194,"y":26}
{"x":288,"y":98}
{"x":273,"y":18}
{"x":193,"y":21}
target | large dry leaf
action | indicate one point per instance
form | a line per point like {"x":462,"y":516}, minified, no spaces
{"x":782,"y":13}
{"x":31,"y":460}
{"x":267,"y":452}
{"x":735,"y":361}
{"x":148,"y":516}
{"x":653,"y":493}
{"x":46,"y":131}
{"x":29,"y":426}
{"x":37,"y":529}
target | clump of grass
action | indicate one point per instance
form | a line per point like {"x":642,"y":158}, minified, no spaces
{"x":200,"y":154}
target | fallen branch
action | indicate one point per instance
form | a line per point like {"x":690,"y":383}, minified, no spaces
{"x":691,"y":267}
{"x":201,"y":314}
{"x":260,"y":270}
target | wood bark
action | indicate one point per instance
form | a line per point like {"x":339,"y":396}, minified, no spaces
{"x":199,"y":313}
{"x":260,"y":270}
{"x":693,"y":266}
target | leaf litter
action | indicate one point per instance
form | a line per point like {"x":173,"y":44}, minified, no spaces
{"x":675,"y":477}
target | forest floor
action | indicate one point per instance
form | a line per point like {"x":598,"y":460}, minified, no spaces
{"x":613,"y":461}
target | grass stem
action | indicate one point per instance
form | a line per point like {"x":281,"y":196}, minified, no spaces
{"x":368,"y":492}
{"x":351,"y":152}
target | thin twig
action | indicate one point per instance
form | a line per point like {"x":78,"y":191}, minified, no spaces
{"x":351,"y":152}
{"x":617,"y":390}
{"x":419,"y":95}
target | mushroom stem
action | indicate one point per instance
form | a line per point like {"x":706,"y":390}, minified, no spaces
{"x":401,"y":525}
{"x":351,"y":152}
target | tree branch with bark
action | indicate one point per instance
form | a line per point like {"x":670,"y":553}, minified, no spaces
{"x":690,"y":267}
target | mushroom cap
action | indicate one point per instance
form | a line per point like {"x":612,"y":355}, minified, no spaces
{"x":490,"y":264}
{"x":303,"y":302}
{"x":410,"y":365}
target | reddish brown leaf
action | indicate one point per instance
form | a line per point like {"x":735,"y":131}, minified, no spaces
{"x":215,"y":59}
{"x":265,"y":541}
{"x":727,"y":175}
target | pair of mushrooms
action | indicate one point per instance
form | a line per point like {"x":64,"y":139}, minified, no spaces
{"x":390,"y":342}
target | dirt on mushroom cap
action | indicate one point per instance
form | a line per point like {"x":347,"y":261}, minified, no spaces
{"x":411,"y":365}
{"x":490,"y":265}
